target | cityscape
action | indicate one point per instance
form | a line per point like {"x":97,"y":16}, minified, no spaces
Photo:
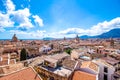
{"x":59,"y":40}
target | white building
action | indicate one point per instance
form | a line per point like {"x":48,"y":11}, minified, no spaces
{"x":44,"y":49}
{"x":107,"y":67}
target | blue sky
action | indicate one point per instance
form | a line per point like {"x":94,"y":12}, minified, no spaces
{"x":36,"y":19}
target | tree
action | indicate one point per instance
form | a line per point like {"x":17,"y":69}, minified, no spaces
{"x":23,"y":54}
{"x":68,"y":51}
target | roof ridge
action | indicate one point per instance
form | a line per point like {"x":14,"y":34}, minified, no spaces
{"x":35,"y":72}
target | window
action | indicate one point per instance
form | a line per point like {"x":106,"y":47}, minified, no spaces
{"x":105,"y":77}
{"x":105,"y":69}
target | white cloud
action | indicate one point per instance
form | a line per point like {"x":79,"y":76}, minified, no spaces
{"x":71,"y":32}
{"x":104,"y":26}
{"x":10,"y":6}
{"x":5,"y":20}
{"x":38,"y":20}
{"x":59,"y":35}
{"x":21,"y":18}
{"x":94,"y":30}
{"x":33,"y":34}
{"x":38,"y":34}
{"x":2,"y":30}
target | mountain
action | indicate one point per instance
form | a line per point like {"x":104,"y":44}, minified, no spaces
{"x":114,"y":33}
{"x":85,"y":37}
{"x":48,"y":38}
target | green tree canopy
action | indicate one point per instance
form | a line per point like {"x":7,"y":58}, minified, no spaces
{"x":68,"y":51}
{"x":23,"y":54}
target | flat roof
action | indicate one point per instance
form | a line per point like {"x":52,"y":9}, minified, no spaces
{"x":90,"y":65}
{"x":50,"y":59}
{"x":54,"y":58}
{"x":62,"y":71}
{"x":59,"y":56}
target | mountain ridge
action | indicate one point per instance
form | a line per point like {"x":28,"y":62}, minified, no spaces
{"x":114,"y":33}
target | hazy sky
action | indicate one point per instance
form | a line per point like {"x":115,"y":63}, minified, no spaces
{"x":35,"y":19}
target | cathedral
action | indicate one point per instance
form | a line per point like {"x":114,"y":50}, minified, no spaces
{"x":14,"y":38}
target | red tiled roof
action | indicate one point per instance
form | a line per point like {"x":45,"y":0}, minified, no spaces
{"x":90,"y":65}
{"x":79,"y":75}
{"x":24,"y":74}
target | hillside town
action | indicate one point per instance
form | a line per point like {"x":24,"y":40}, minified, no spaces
{"x":60,"y":59}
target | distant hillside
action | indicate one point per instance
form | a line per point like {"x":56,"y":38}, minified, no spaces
{"x":48,"y":38}
{"x":85,"y":37}
{"x":114,"y":33}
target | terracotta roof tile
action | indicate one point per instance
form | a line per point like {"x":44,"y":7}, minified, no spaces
{"x":91,"y":65}
{"x":24,"y":74}
{"x":79,"y":75}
